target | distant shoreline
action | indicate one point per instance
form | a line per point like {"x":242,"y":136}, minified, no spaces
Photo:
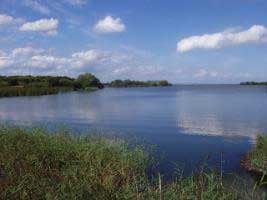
{"x":13,"y":86}
{"x":254,"y":83}
{"x":132,"y":83}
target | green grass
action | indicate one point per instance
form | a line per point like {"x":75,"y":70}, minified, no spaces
{"x":256,"y":160}
{"x":35,"y":164}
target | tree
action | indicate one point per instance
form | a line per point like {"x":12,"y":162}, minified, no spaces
{"x":88,"y":80}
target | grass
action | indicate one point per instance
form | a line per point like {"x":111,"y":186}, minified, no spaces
{"x":12,"y":91}
{"x":256,"y":160}
{"x":35,"y":164}
{"x":30,"y":91}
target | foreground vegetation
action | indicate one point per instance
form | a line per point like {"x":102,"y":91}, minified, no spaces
{"x":256,"y":160}
{"x":130,"y":83}
{"x":43,"y":85}
{"x":254,"y":83}
{"x":39,"y":165}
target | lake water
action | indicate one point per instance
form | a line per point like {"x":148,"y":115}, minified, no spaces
{"x":187,"y":123}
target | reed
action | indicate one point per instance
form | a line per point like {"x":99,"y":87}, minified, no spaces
{"x":31,"y":91}
{"x":37,"y":164}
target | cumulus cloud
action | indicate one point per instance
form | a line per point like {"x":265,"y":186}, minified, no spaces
{"x":106,"y":64}
{"x":109,"y":25}
{"x":40,"y":61}
{"x":46,"y":26}
{"x":5,"y":20}
{"x":48,"y":61}
{"x":256,"y":33}
{"x":80,"y":59}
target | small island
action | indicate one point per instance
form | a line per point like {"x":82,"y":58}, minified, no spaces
{"x":131,"y":83}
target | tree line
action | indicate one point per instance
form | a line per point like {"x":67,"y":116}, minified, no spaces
{"x":44,"y":85}
{"x":253,"y":83}
{"x":83,"y":81}
{"x":131,"y":83}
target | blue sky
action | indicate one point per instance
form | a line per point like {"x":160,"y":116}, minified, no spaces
{"x":184,"y":41}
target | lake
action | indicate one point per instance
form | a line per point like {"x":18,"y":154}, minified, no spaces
{"x":188,"y":123}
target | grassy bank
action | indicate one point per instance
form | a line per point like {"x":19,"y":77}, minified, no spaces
{"x":39,"y":165}
{"x":256,"y":160}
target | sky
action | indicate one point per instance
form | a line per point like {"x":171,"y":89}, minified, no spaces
{"x":183,"y":41}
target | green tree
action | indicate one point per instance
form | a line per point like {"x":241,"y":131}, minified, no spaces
{"x":88,"y":80}
{"x":164,"y":83}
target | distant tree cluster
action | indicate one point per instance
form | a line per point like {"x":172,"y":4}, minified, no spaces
{"x":131,"y":83}
{"x":253,"y":83}
{"x":82,"y":82}
{"x":43,"y":85}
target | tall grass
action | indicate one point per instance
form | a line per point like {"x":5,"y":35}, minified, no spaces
{"x":31,"y":91}
{"x":39,"y":165}
{"x":256,"y":160}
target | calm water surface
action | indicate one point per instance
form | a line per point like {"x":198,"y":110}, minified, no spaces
{"x":187,"y":123}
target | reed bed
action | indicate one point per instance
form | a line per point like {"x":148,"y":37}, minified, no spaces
{"x":37,"y":164}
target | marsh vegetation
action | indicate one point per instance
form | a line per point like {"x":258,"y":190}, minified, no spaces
{"x":36,"y":164}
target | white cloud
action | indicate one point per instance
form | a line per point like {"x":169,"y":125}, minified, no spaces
{"x":37,"y":6}
{"x":107,"y":65}
{"x":201,"y":73}
{"x":46,"y":26}
{"x":5,"y":19}
{"x":25,"y":51}
{"x":25,"y":58}
{"x":255,"y":34}
{"x":109,"y":25}
{"x":4,"y":62}
{"x":77,"y":2}
{"x":80,"y":59}
{"x":47,"y":61}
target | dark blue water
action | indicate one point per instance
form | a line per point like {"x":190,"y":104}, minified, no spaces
{"x":187,"y":123}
